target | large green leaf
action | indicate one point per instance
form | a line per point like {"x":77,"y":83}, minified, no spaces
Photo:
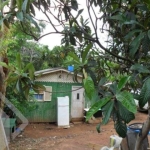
{"x":24,"y":5}
{"x":85,"y":52}
{"x":79,"y":12}
{"x":140,"y":68}
{"x":102,"y":81}
{"x":127,"y":100}
{"x":3,"y":4}
{"x":107,"y":109}
{"x":131,"y":34}
{"x":135,"y":44}
{"x":98,"y":128}
{"x":118,"y":17}
{"x":18,"y":88}
{"x":38,"y":87}
{"x":74,"y":56}
{"x":20,"y":15}
{"x":74,"y":4}
{"x":121,"y":128}
{"x":4,"y":65}
{"x":122,"y":82}
{"x":113,"y":88}
{"x":125,"y":114}
{"x":98,"y":105}
{"x":19,"y":4}
{"x":30,"y":69}
{"x":89,"y":87}
{"x":19,"y":62}
{"x":146,"y":44}
{"x":148,"y":33}
{"x":30,"y":18}
{"x":145,"y":93}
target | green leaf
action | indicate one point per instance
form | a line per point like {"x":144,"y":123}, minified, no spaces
{"x":140,"y":68}
{"x":146,"y":44}
{"x":102,"y":81}
{"x":107,"y":109}
{"x":127,"y":100}
{"x":74,"y":4}
{"x":122,"y":82}
{"x":19,"y":4}
{"x":26,"y":91}
{"x":18,"y":87}
{"x":72,"y":40}
{"x":79,"y":36}
{"x":126,"y":115}
{"x":135,"y":44}
{"x":148,"y":33}
{"x":38,"y":87}
{"x":89,"y":87}
{"x":98,"y":105}
{"x":85,"y":52}
{"x":145,"y":93}
{"x":113,"y":88}
{"x":3,"y":4}
{"x":1,"y":21}
{"x":6,"y":23}
{"x":131,"y":34}
{"x":20,"y":15}
{"x":31,"y":70}
{"x":74,"y":56}
{"x":98,"y":128}
{"x":121,"y":128}
{"x":24,"y":5}
{"x":133,"y":22}
{"x":18,"y":62}
{"x":79,"y":12}
{"x":32,"y":21}
{"x":118,"y":17}
{"x":4,"y":65}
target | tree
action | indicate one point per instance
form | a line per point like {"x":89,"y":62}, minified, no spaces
{"x":127,"y":51}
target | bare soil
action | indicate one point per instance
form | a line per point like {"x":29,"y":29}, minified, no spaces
{"x":80,"y":136}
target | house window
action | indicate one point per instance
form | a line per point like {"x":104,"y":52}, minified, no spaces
{"x":39,"y":96}
{"x":44,"y":95}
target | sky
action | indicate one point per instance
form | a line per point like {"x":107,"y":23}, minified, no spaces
{"x":55,"y":39}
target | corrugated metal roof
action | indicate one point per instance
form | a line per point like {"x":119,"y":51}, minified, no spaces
{"x":52,"y":70}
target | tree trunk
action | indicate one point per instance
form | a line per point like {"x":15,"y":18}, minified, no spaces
{"x":3,"y":139}
{"x":142,"y":135}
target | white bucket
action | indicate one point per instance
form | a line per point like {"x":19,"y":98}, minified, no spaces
{"x":115,"y":141}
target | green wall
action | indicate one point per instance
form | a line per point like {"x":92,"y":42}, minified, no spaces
{"x":47,"y":111}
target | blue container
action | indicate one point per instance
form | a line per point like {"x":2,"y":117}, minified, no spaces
{"x":71,"y":68}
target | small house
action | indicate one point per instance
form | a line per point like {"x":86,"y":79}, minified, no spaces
{"x":58,"y":83}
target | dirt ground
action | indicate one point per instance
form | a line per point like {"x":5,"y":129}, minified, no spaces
{"x":80,"y":136}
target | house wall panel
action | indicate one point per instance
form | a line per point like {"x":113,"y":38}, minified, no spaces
{"x":47,"y":111}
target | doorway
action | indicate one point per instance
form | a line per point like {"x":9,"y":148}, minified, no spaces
{"x":77,"y":103}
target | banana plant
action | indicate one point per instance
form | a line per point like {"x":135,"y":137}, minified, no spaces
{"x":115,"y":102}
{"x":23,"y":77}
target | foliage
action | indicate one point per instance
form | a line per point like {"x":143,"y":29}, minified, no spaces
{"x":23,"y":77}
{"x":127,"y":53}
{"x":115,"y":99}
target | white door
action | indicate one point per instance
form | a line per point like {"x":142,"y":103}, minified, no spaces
{"x":77,"y":102}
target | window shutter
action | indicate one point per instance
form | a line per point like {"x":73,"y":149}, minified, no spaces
{"x":47,"y":93}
